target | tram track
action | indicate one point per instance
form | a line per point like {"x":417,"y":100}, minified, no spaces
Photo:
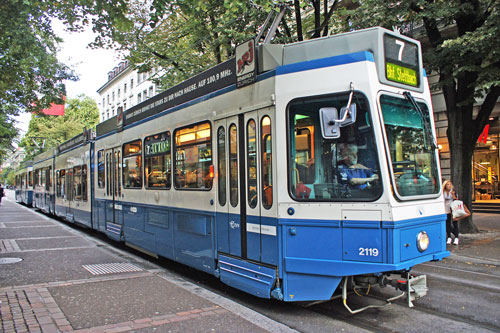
{"x":371,"y":325}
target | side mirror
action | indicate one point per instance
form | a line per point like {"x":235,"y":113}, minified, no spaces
{"x":330,"y":127}
{"x":349,"y":114}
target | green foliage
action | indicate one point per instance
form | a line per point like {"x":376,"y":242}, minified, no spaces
{"x":31,"y":77}
{"x":80,"y":112}
{"x":7,"y":176}
{"x":7,"y":132}
{"x":189,"y":36}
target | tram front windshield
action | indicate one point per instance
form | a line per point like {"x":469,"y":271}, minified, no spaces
{"x":343,"y":169}
{"x":414,"y":165}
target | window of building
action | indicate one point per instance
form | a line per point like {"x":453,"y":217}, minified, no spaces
{"x":124,"y":89}
{"x":151,"y":91}
{"x":131,"y":83}
{"x":193,"y":157}
{"x":132,"y":164}
{"x":157,"y":161}
{"x":139,"y":98}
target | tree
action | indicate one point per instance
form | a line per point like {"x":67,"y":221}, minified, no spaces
{"x":53,"y":130}
{"x":185,"y":37}
{"x":7,"y":133}
{"x":463,"y":49}
{"x":31,"y":77}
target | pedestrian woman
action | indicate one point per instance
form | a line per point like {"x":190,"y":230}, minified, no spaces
{"x":2,"y":193}
{"x":451,"y":226}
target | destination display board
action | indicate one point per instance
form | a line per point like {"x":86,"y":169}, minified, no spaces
{"x":401,"y":61}
{"x":158,"y":144}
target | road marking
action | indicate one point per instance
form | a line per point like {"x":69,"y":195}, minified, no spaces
{"x":111,"y":268}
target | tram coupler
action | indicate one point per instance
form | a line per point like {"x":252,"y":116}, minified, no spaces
{"x":414,"y":286}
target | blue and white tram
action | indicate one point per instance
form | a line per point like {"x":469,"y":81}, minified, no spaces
{"x":289,"y":172}
{"x":43,"y":191}
{"x":24,"y":183}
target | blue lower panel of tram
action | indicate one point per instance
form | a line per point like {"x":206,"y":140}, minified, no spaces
{"x":252,"y":278}
{"x":317,"y":254}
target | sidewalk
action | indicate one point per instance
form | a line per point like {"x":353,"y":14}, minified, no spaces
{"x":485,"y":244}
{"x":67,"y":281}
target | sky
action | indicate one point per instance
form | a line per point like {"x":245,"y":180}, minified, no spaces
{"x":91,"y":66}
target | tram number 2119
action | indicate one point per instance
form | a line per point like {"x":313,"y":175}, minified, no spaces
{"x":370,"y":252}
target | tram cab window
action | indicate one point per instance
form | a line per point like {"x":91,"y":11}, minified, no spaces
{"x":157,"y":161}
{"x":342,"y":169}
{"x":414,"y":165}
{"x":132,"y":164}
{"x":193,"y":157}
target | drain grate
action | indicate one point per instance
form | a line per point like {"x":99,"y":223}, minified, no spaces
{"x":100,"y":269}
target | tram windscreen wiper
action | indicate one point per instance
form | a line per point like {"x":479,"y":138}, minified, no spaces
{"x":427,"y":126}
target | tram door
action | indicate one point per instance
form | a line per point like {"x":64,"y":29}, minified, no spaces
{"x":244,"y":187}
{"x":113,"y":190}
{"x":229,"y":219}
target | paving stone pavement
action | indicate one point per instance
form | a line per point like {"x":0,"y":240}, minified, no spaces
{"x":55,"y":288}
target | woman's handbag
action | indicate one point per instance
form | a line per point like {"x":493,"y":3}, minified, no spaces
{"x":459,"y":210}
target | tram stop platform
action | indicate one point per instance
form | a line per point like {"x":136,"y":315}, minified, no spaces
{"x":54,"y":278}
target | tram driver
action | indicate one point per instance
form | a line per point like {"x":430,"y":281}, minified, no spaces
{"x":353,"y":173}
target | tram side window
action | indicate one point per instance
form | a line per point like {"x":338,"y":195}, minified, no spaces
{"x":61,"y":184}
{"x":84,"y":183}
{"x":266,"y":150}
{"x":343,"y":169}
{"x":233,"y":165}
{"x":193,"y":157}
{"x":157,"y":161}
{"x":108,"y":173}
{"x":77,"y":183}
{"x":36,"y":178}
{"x":100,"y":169}
{"x":48,"y":177}
{"x":221,"y":168}
{"x":252,"y":163}
{"x":42,"y":177}
{"x":132,"y":164}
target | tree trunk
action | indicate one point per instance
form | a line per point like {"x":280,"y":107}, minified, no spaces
{"x":461,"y":177}
{"x":298,"y":20}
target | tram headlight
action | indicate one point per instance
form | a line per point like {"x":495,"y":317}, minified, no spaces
{"x":422,"y":241}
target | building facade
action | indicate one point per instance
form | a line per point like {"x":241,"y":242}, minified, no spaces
{"x":486,"y":160}
{"x":125,"y":88}
{"x":15,"y":159}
